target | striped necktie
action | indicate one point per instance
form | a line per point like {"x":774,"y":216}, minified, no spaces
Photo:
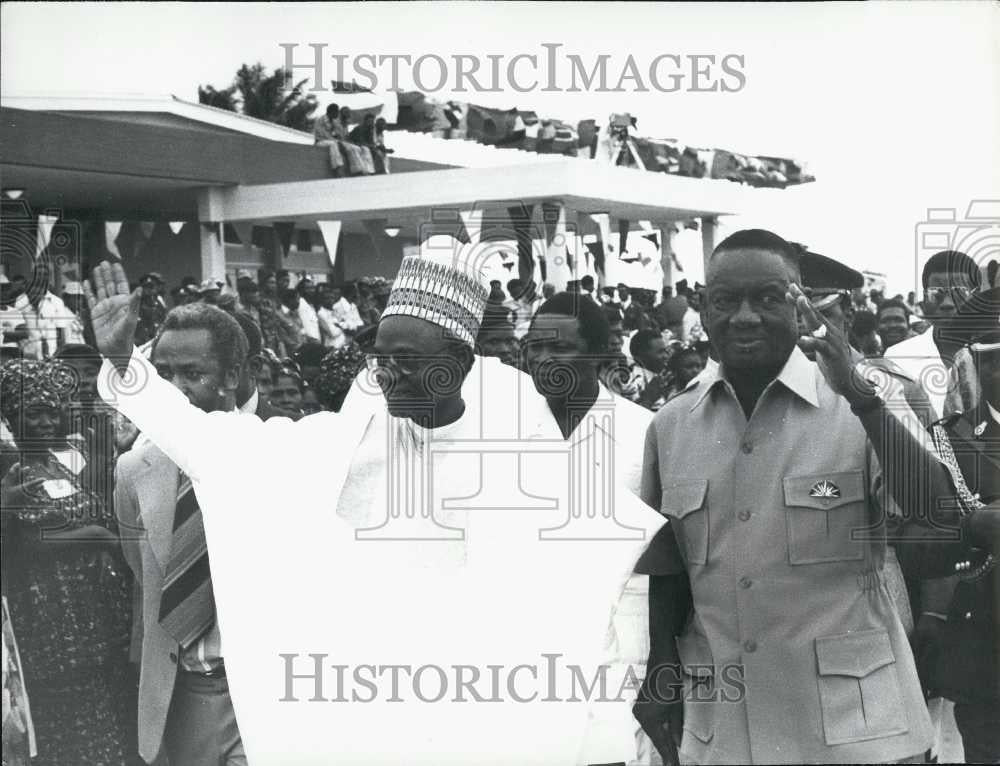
{"x":187,"y":603}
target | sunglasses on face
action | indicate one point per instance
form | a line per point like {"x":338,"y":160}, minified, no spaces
{"x":957,"y":292}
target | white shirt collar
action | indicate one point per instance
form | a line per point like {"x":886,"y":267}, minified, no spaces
{"x":250,"y":405}
{"x":994,"y":414}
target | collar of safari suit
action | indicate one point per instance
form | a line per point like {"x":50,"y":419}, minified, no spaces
{"x":798,"y":376}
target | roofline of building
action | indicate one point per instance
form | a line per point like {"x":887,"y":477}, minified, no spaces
{"x":154,"y":103}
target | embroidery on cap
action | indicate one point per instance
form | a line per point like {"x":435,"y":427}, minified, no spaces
{"x":824,"y":488}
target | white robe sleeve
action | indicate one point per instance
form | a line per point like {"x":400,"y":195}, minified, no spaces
{"x":197,"y":442}
{"x":612,"y":734}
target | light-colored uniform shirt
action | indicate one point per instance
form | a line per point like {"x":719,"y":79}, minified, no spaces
{"x":920,"y":359}
{"x":310,"y":322}
{"x":44,"y":324}
{"x":794,"y":636}
{"x":347,"y":315}
{"x":10,"y":319}
{"x":332,"y":335}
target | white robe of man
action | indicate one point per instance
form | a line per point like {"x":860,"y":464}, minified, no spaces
{"x":372,"y":612}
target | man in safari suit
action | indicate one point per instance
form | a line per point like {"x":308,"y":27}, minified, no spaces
{"x":768,"y":468}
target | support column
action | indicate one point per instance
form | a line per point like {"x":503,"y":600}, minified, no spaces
{"x":666,"y":251}
{"x":707,"y":238}
{"x":213,"y":251}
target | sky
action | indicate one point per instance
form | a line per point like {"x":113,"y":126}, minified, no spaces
{"x":893,"y":106}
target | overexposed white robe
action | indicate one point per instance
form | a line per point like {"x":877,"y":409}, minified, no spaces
{"x":315,"y":575}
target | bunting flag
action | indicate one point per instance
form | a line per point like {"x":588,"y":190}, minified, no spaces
{"x":146,"y":227}
{"x":623,"y":227}
{"x":244,"y":230}
{"x":45,"y":225}
{"x":376,"y":233}
{"x":214,"y":229}
{"x":284,"y":230}
{"x":603,"y":221}
{"x":596,"y":250}
{"x":472,"y":221}
{"x":654,"y":238}
{"x":176,"y":226}
{"x":552,"y":214}
{"x":111,"y":231}
{"x":331,"y":238}
{"x":520,"y":219}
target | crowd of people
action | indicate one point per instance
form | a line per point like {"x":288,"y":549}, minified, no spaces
{"x":356,"y":151}
{"x":117,"y":642}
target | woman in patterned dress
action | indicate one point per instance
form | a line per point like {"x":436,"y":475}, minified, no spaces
{"x":68,"y":587}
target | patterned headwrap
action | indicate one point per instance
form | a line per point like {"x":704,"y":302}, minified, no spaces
{"x":28,"y":383}
{"x":338,"y":370}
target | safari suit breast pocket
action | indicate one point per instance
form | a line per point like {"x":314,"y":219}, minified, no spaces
{"x":822,"y":512}
{"x":685,"y":502}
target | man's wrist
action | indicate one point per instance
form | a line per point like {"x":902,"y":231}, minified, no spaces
{"x":862,"y":395}
{"x":865,"y":405}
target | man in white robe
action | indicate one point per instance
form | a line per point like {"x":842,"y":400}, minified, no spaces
{"x":362,"y":615}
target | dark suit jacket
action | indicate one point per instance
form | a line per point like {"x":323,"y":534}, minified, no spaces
{"x":965,"y":665}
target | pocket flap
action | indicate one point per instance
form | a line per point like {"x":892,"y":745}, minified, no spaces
{"x":854,"y":654}
{"x":679,"y":498}
{"x":825,"y":491}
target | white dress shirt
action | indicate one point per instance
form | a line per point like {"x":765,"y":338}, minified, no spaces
{"x":331,"y":333}
{"x":347,"y":315}
{"x":44,"y":323}
{"x":310,"y":322}
{"x":919,"y":358}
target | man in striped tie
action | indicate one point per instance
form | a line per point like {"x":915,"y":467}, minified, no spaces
{"x":185,"y":712}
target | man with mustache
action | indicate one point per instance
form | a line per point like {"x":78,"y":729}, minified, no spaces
{"x":768,"y":468}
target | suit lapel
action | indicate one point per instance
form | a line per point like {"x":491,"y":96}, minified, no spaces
{"x":156,"y":489}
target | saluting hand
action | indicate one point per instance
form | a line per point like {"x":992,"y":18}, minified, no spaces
{"x":114,"y":310}
{"x":833,"y":352}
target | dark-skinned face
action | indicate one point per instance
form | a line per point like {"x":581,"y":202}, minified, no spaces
{"x":188,"y":361}
{"x":265,"y":381}
{"x":500,"y":344}
{"x":655,"y":356}
{"x":286,"y":394}
{"x":41,"y":423}
{"x":893,"y":326}
{"x":557,"y":357}
{"x":949,"y":288}
{"x":85,"y":371}
{"x":417,"y":365}
{"x":749,"y":321}
{"x":690,"y":366}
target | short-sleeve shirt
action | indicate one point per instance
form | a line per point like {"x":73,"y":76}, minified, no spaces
{"x":777,"y":526}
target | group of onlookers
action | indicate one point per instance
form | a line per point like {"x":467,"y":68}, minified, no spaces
{"x":360,"y":150}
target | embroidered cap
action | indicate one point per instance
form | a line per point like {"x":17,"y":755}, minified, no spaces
{"x":441,"y":285}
